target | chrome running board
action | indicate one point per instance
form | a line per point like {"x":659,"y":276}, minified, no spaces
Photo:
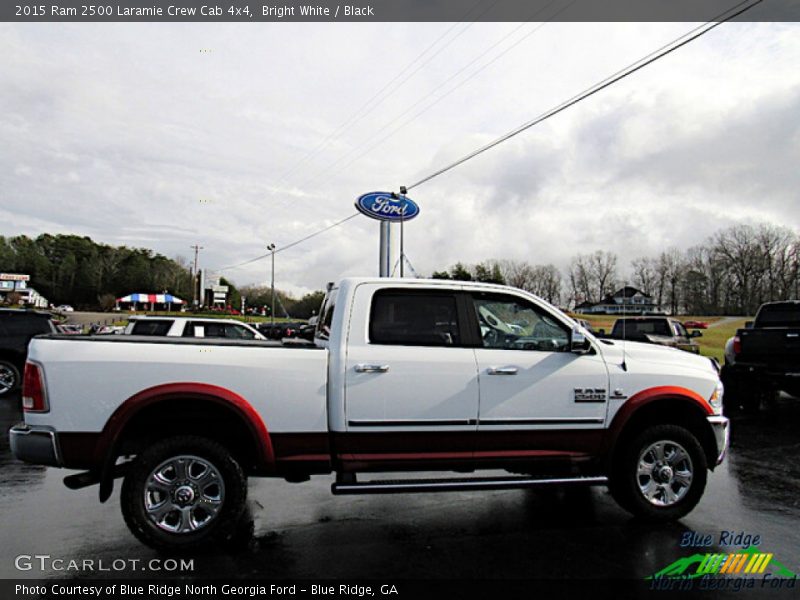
{"x":400,"y":486}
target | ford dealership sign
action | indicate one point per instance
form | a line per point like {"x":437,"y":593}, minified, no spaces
{"x":386,"y":207}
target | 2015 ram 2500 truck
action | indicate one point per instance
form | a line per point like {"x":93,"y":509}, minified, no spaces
{"x":405,"y":375}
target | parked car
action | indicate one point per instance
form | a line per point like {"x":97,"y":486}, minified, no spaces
{"x":763,"y":358}
{"x":401,"y":377}
{"x":65,"y":308}
{"x":17,"y":327}
{"x":280,"y":330}
{"x":695,"y":324}
{"x":656,"y":330}
{"x":69,"y":328}
{"x":192,"y":327}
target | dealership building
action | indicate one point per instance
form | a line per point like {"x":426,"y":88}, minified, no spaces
{"x":11,"y":283}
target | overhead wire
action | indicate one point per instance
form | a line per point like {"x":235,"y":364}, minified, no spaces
{"x":363,"y":151}
{"x":610,"y":80}
{"x":664,"y":50}
{"x":365,"y":107}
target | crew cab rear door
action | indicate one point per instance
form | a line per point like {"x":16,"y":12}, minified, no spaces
{"x":411,"y":387}
{"x":535,"y":394}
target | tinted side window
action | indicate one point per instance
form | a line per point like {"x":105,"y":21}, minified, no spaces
{"x":414,"y":319}
{"x":26,"y":325}
{"x":147,"y":327}
{"x":214,"y":330}
{"x":323,"y":331}
{"x":238,"y":332}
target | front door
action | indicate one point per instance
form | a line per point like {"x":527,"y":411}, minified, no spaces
{"x":537,"y":398}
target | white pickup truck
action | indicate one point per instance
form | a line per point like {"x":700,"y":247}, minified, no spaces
{"x":192,"y":327}
{"x":405,"y":375}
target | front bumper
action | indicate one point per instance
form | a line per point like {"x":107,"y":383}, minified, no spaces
{"x":37,"y":445}
{"x":722,"y":435}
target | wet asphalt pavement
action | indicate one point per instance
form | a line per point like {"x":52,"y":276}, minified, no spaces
{"x":302,"y":531}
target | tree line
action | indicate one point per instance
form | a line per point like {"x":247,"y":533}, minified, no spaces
{"x":70,"y":269}
{"x":733,"y":272}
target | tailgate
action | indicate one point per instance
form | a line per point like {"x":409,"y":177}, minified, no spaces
{"x":779,"y":347}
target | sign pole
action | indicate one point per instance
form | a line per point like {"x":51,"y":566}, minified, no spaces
{"x":384,"y":250}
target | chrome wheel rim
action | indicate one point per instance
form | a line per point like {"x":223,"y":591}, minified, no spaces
{"x":7,"y":379}
{"x":664,"y":473}
{"x":184,"y":494}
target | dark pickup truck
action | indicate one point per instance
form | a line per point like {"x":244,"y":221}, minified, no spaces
{"x":764,"y":358}
{"x":656,"y":330}
{"x":17,"y":327}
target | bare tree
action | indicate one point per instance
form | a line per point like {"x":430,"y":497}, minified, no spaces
{"x":580,"y":280}
{"x":644,"y":274}
{"x":604,"y":272}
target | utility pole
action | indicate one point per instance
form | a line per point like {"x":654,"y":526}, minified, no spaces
{"x":271,"y":248}
{"x":197,"y":249}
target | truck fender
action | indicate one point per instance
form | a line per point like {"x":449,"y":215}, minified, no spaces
{"x":646,"y":397}
{"x":110,"y":437}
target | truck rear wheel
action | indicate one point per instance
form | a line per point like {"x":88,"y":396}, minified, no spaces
{"x":184,"y":493}
{"x":9,"y":377}
{"x":660,"y":474}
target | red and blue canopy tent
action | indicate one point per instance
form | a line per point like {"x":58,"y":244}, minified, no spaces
{"x":150,"y":300}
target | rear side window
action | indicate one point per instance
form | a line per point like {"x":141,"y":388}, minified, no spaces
{"x":779,"y":315}
{"x":323,"y":331}
{"x":148,"y":327}
{"x":632,"y":328}
{"x":26,"y":325}
{"x":414,"y":319}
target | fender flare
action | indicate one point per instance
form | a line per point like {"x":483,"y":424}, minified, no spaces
{"x":104,"y":451}
{"x":646,"y":397}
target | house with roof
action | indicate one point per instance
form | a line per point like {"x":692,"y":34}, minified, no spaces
{"x":627,"y":300}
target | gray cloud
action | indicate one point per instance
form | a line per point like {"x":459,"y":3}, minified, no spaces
{"x":129,"y":134}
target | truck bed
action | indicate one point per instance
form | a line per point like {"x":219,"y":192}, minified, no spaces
{"x":89,"y":377}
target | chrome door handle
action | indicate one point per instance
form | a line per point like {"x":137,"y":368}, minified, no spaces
{"x":502,"y":370}
{"x":362,"y":368}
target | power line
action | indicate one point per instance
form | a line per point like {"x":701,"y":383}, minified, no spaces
{"x":440,"y":86}
{"x":619,"y":75}
{"x":623,"y":73}
{"x":287,"y":246}
{"x":360,"y":113}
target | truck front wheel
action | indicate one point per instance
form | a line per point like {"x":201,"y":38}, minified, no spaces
{"x":183,"y":493}
{"x":660,"y":474}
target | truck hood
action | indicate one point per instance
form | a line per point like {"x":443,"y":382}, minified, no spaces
{"x":654,"y":353}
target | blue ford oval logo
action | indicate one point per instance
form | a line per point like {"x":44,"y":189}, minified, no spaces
{"x":382,"y":206}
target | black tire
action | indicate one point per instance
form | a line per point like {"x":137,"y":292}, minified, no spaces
{"x":9,"y":377}
{"x":194,"y":489}
{"x":664,"y":494}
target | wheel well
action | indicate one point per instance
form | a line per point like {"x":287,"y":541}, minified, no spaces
{"x":190,"y":416}
{"x":669,"y":411}
{"x":15,"y":358}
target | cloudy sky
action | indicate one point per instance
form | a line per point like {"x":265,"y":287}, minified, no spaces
{"x":237,"y":135}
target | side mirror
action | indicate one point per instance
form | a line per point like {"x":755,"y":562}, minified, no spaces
{"x":695,"y":333}
{"x":578,"y":342}
{"x":748,"y":324}
{"x":601,"y":332}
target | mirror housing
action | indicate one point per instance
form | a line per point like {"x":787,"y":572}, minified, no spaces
{"x":748,"y":324}
{"x":578,"y":342}
{"x":695,"y":334}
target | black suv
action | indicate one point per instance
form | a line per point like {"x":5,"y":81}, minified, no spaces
{"x":17,"y":327}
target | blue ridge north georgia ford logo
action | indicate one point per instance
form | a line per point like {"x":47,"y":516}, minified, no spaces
{"x":386,"y":206}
